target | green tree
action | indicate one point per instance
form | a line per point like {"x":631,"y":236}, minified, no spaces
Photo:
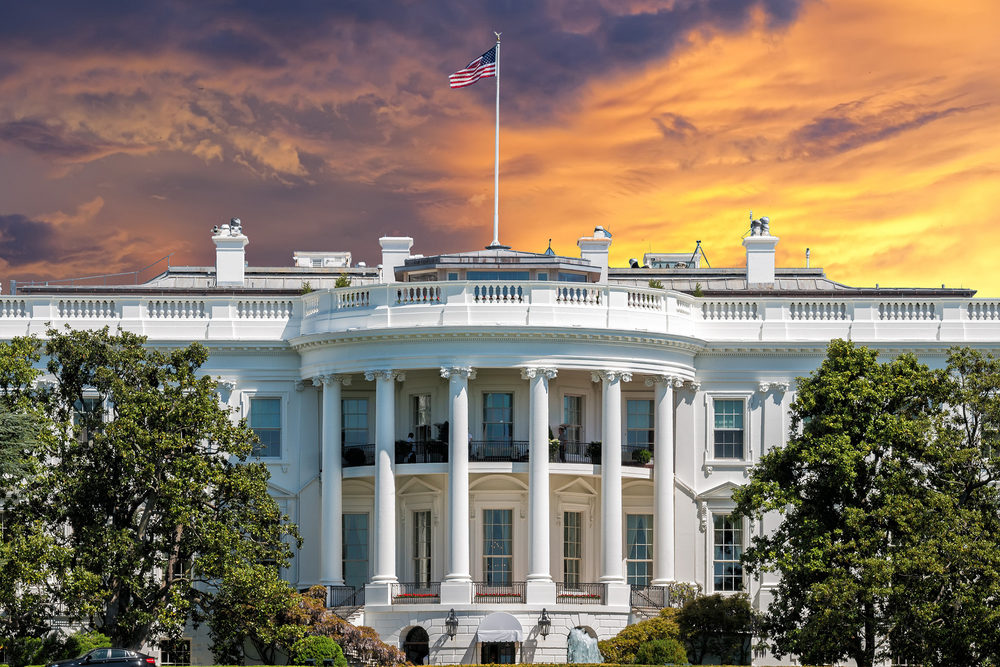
{"x":945,"y":603}
{"x":254,"y":615}
{"x":317,"y":649}
{"x":718,"y":626}
{"x":887,"y":511}
{"x":147,"y":491}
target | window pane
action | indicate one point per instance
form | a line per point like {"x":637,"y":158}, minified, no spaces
{"x":265,"y":420}
{"x":728,"y":436}
{"x":639,"y":548}
{"x":498,"y":416}
{"x":572,"y":548}
{"x":355,"y":549}
{"x":498,"y":547}
{"x":639,"y":422}
{"x":355,"y":421}
{"x":728,"y":549}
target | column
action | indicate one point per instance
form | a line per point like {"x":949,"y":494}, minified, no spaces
{"x":385,"y":483}
{"x":663,"y":477}
{"x":331,"y":482}
{"x":612,"y":569}
{"x":540,"y":587}
{"x":457,"y":586}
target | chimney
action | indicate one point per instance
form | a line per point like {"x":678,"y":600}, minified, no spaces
{"x":595,"y":249}
{"x":760,"y":254}
{"x":230,"y":256}
{"x":395,"y":250}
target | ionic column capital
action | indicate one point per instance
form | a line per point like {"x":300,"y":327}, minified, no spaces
{"x":466,"y":372}
{"x":385,"y":374}
{"x":671,"y":381}
{"x":611,"y":376}
{"x":532,"y":372}
{"x":693,"y":385}
{"x":330,"y":378}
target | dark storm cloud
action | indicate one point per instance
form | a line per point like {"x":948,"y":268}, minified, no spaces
{"x":50,"y":140}
{"x":23,"y":241}
{"x":553,"y":46}
{"x":851,"y":125}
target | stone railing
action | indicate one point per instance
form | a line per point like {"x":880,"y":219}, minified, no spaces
{"x":513,"y":305}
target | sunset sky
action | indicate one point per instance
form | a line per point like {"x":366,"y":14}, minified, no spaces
{"x":866,"y":130}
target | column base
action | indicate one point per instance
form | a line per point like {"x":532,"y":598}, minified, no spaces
{"x":540,"y":592}
{"x":456,"y":592}
{"x":619,"y":594}
{"x":378,"y":593}
{"x":661,"y":582}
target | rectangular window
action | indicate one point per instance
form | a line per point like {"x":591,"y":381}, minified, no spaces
{"x":573,"y":418}
{"x":355,"y":421}
{"x":497,"y":275}
{"x":355,"y":549}
{"x":728,"y":428}
{"x":176,"y":652}
{"x":572,"y":277}
{"x":728,"y":549}
{"x":452,"y":276}
{"x":542,"y":275}
{"x":86,"y":414}
{"x":498,"y":417}
{"x":639,"y":423}
{"x":422,"y":548}
{"x":639,"y":545}
{"x":265,"y":420}
{"x":498,"y":547}
{"x":420,"y":406}
{"x":572,"y":548}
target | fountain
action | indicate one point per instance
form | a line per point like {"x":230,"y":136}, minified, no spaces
{"x":582,"y":648}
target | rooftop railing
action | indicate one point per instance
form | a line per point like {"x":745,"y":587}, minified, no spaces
{"x":512,"y":304}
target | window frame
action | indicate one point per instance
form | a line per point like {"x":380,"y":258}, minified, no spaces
{"x":421,"y":432}
{"x":282,"y":399}
{"x":510,"y":424}
{"x":651,"y":545}
{"x":418,"y":559}
{"x":570,"y":426}
{"x":579,"y":547}
{"x":486,"y":556}
{"x":712,"y":462}
{"x":369,"y":431}
{"x":710,"y":572}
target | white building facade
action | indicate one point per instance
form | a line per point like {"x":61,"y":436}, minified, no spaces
{"x":486,"y":450}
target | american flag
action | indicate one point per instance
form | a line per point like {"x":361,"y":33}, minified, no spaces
{"x":483,"y":66}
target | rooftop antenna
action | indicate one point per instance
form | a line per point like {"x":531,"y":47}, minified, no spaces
{"x":698,"y":250}
{"x":807,"y":258}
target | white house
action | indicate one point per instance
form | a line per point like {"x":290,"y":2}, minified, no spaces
{"x":408,"y":420}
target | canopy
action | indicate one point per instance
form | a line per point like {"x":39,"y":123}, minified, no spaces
{"x":500,"y":627}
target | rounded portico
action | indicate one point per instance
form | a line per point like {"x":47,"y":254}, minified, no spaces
{"x":485,"y":461}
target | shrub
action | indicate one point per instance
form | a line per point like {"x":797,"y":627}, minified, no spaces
{"x":82,"y":642}
{"x":655,"y":284}
{"x":661,"y":652}
{"x":719,"y":627}
{"x":343,"y":280}
{"x":317,"y":649}
{"x":622,"y":648}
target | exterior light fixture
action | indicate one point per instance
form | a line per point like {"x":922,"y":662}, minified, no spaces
{"x":451,"y":623}
{"x":544,"y":624}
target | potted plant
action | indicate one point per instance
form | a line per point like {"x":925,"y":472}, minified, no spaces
{"x":594,"y":452}
{"x":642,"y":456}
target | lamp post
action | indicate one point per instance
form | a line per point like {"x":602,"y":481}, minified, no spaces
{"x":451,"y":623}
{"x":544,"y":624}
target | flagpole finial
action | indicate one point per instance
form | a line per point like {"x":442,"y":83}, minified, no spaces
{"x":498,"y":35}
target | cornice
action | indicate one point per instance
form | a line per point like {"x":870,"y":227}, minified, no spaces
{"x":810,"y":348}
{"x":315,"y":341}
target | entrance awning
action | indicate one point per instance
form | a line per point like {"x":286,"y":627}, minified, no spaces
{"x":500,"y":627}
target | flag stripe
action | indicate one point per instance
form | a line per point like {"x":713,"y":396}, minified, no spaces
{"x":482,"y":67}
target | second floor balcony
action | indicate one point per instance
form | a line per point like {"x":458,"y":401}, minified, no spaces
{"x":515,"y":451}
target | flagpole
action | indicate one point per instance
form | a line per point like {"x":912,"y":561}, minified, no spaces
{"x":496,"y":160}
